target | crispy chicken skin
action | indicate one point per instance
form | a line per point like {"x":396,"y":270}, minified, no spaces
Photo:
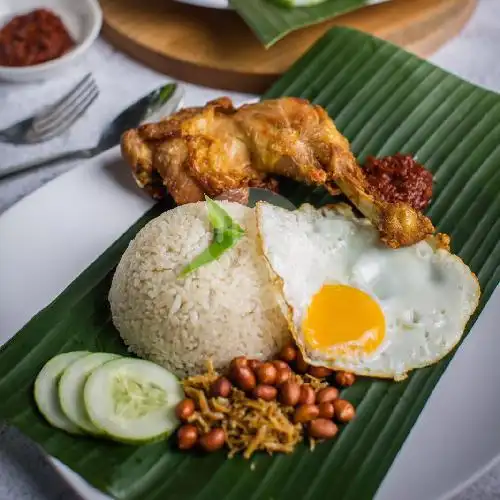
{"x":217,"y":148}
{"x":195,"y":151}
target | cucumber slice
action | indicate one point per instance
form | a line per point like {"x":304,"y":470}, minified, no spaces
{"x":133,"y":400}
{"x":46,"y":393}
{"x":71,"y":389}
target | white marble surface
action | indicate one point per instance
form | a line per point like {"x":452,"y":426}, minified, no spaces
{"x":24,"y":471}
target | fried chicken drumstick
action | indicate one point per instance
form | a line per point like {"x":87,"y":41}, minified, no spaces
{"x":216,"y":148}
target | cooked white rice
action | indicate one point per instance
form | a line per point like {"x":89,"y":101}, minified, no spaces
{"x":224,"y":309}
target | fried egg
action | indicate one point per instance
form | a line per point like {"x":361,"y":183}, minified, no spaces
{"x":354,"y":304}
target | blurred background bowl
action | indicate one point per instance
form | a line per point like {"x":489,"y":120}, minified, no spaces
{"x":213,"y":4}
{"x":83,"y":20}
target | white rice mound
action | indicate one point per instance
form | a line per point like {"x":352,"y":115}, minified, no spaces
{"x":224,"y":309}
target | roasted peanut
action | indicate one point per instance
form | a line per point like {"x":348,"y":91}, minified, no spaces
{"x":187,"y":436}
{"x":320,"y":371}
{"x":288,"y":353}
{"x":344,"y":411}
{"x":284,"y":371}
{"x":345,"y":379}
{"x":307,"y":395}
{"x":281,"y":365}
{"x":301,"y":366}
{"x":327,"y":395}
{"x":221,"y":388}
{"x":266,"y":373}
{"x":289,"y":393}
{"x":305,"y":413}
{"x":253,"y":364}
{"x":238,"y":362}
{"x":321,"y":428}
{"x":213,"y":440}
{"x":282,"y":376}
{"x":265,"y":392}
{"x":244,"y":378}
{"x":326,"y":410}
{"x":185,"y":409}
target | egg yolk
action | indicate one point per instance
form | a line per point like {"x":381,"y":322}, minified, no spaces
{"x":343,"y":320}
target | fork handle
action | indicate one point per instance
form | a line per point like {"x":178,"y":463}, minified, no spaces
{"x":44,"y":162}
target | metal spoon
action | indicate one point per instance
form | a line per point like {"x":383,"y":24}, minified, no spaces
{"x":160,"y":103}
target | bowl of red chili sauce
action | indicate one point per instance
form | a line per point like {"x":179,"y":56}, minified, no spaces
{"x":40,"y":39}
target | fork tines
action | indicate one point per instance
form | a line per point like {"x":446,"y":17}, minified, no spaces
{"x":65,"y":112}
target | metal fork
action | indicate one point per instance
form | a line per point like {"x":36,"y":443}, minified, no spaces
{"x":56,"y":118}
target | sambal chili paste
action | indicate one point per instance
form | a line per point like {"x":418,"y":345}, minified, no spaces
{"x":399,"y":178}
{"x":33,"y":38}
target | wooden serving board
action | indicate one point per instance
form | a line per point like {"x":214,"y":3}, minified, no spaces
{"x":216,"y":48}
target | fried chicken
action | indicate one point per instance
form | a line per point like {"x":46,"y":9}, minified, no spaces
{"x":194,"y":152}
{"x":217,"y":148}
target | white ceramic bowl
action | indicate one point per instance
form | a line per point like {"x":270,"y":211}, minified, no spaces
{"x":83,"y":20}
{"x":213,"y":4}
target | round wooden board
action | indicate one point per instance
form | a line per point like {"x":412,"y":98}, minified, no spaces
{"x":216,"y":48}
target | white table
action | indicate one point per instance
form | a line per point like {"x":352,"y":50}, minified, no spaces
{"x":25,"y":473}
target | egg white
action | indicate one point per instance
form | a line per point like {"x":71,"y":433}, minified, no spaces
{"x":426,"y":293}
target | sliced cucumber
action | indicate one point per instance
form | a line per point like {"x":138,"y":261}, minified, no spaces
{"x":133,"y":400}
{"x":71,"y":389}
{"x":46,"y":393}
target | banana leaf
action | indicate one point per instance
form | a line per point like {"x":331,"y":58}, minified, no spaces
{"x":271,"y":20}
{"x":385,"y":100}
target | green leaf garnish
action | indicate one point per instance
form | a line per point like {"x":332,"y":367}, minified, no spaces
{"x":226,"y":233}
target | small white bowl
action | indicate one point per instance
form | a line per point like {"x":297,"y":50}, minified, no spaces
{"x":83,"y":20}
{"x":213,"y":4}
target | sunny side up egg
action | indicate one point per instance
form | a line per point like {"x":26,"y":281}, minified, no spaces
{"x":355,"y":305}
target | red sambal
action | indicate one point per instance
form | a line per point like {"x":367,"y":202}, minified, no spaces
{"x":399,"y":178}
{"x":33,"y":38}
